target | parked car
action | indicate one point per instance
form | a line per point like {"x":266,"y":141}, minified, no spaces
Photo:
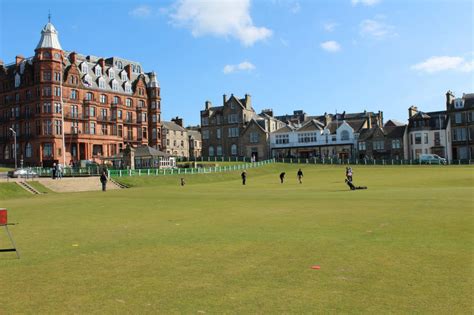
{"x":22,"y":173}
{"x":432,"y":159}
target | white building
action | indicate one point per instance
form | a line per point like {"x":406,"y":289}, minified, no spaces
{"x":429,"y":133}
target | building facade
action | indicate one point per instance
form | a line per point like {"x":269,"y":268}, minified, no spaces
{"x":195,"y":142}
{"x":65,"y":107}
{"x":461,"y":114}
{"x":222,"y":126}
{"x":387,"y":143}
{"x":429,"y":133}
{"x":325,"y":136}
{"x":175,"y":139}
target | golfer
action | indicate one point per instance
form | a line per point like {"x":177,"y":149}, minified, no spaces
{"x":103,"y":180}
{"x":244,"y":177}
{"x":282,"y":177}
{"x":300,"y":176}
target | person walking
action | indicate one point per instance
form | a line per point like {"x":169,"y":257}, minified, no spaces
{"x":182,"y":181}
{"x":103,"y":180}
{"x":282,"y":177}
{"x":59,"y":171}
{"x":300,"y":176}
{"x":53,"y":171}
{"x":244,"y":177}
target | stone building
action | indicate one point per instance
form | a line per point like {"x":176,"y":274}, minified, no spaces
{"x":461,"y":114}
{"x":65,"y":106}
{"x":255,"y":138}
{"x":222,"y":126}
{"x":429,"y":133}
{"x":388,"y":142}
{"x":175,"y":138}
{"x":195,"y":142}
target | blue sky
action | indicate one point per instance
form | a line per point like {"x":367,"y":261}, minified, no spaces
{"x":318,"y":56}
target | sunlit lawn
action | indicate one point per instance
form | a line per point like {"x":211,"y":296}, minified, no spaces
{"x":405,"y":245}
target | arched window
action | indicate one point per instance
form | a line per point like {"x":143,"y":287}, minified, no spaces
{"x":28,"y":150}
{"x":233,"y":149}
{"x":116,"y":100}
{"x":128,"y":102}
{"x":211,"y":151}
{"x":89,"y":96}
{"x":119,"y":65}
{"x":345,"y":135}
{"x":103,"y":98}
{"x":219,"y":150}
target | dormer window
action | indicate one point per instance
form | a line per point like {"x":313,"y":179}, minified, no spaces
{"x":115,"y":85}
{"x":84,"y":68}
{"x":459,"y":103}
{"x":17,"y":80}
{"x":111,"y":73}
{"x":139,"y":69}
{"x":128,"y":87}
{"x":87,"y":80}
{"x":119,"y":65}
{"x":123,"y":76}
{"x":101,"y":83}
{"x":98,"y":71}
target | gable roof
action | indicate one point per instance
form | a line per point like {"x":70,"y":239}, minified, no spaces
{"x":170,"y":125}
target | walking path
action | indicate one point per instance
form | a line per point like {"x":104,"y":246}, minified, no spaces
{"x":69,"y":184}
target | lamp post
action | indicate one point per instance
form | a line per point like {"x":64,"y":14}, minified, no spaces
{"x":14,"y":134}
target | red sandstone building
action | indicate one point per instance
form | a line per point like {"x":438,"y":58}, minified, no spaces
{"x":101,"y":104}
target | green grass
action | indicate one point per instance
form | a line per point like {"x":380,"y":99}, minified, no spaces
{"x":40,"y":187}
{"x":405,"y":245}
{"x":11,"y":190}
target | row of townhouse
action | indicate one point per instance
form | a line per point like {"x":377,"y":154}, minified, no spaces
{"x":234,"y":129}
{"x":179,"y":141}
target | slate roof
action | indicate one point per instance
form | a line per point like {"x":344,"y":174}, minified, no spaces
{"x":172,"y":126}
{"x":194,"y":134}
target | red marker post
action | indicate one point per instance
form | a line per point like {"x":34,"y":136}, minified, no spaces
{"x":4,"y":223}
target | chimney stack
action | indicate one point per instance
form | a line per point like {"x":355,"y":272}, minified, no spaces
{"x":18,"y":59}
{"x":178,"y":121}
{"x":224,"y":99}
{"x":449,"y":98}
{"x":412,"y":111}
{"x":248,"y":101}
{"x":208,"y":105}
{"x":128,"y":69}
{"x":72,"y":57}
{"x":102,"y":64}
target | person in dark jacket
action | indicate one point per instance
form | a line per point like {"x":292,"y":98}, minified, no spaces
{"x":103,"y":180}
{"x":282,"y":177}
{"x":244,"y":177}
{"x":300,"y":176}
{"x":352,"y":187}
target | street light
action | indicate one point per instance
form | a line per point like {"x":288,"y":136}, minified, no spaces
{"x":14,"y":134}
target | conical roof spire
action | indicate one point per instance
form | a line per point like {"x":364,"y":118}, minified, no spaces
{"x":49,"y":37}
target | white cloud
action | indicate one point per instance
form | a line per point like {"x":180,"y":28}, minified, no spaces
{"x":221,"y":18}
{"x":444,"y":63}
{"x":331,"y":46}
{"x":243,"y":66}
{"x":376,"y":28}
{"x":367,"y":3}
{"x":142,"y":11}
{"x":329,"y":26}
